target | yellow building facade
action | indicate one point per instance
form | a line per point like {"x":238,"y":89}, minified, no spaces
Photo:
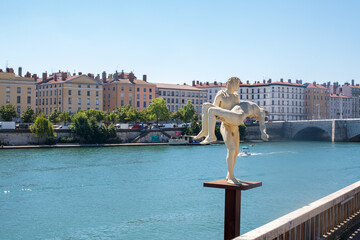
{"x":68,"y":93}
{"x":18,"y":91}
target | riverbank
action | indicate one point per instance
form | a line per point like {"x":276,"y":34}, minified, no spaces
{"x":74,"y":145}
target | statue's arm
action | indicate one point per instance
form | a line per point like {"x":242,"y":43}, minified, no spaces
{"x":218,"y":99}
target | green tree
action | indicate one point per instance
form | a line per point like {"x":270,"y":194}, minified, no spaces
{"x":188,"y":112}
{"x":122,"y":113}
{"x":158,"y":110}
{"x":65,"y":118}
{"x":54,"y":116}
{"x":111,"y":118}
{"x":177,"y":115}
{"x":143,"y":116}
{"x":8,"y":112}
{"x":242,"y":131}
{"x":42,"y":128}
{"x":132,"y":115}
{"x":96,"y":114}
{"x":28,"y":116}
{"x":89,"y":129}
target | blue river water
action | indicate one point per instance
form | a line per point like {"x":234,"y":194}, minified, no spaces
{"x":156,"y":192}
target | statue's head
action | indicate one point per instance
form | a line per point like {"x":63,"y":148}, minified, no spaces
{"x":233,"y":84}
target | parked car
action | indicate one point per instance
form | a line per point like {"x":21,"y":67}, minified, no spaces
{"x":137,"y":126}
{"x":122,"y":126}
{"x":62,"y":127}
{"x":7,"y":125}
{"x":23,"y":125}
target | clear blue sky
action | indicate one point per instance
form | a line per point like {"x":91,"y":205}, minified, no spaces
{"x":181,"y":41}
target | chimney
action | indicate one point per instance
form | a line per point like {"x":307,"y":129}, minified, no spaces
{"x":289,"y":80}
{"x":80,"y":73}
{"x":122,"y":74}
{"x":44,"y":76}
{"x":269,"y":81}
{"x":131,"y":76}
{"x":103,"y":76}
{"x":281,"y":80}
{"x":247,"y":82}
{"x":297,"y":81}
{"x":116,"y":76}
{"x":314,"y":83}
{"x":353,"y":82}
{"x":1,"y":70}
{"x":34,"y":76}
{"x":144,"y":78}
{"x":197,"y":82}
{"x":55,"y":78}
{"x":7,"y":69}
{"x":357,"y":85}
{"x":184,"y":83}
{"x":97,"y":77}
{"x":300,"y":81}
{"x":63,"y":76}
{"x":200,"y":83}
{"x":11,"y":70}
{"x":28,"y":75}
{"x":215,"y":82}
{"x":193,"y":83}
{"x":20,"y":71}
{"x":207,"y":83}
{"x":264,"y":81}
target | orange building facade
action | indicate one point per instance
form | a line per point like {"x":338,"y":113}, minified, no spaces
{"x":317,"y":102}
{"x":127,"y":90}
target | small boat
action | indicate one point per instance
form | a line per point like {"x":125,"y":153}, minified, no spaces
{"x":245,"y":152}
{"x":184,"y":140}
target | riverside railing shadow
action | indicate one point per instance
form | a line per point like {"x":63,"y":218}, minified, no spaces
{"x":328,"y":218}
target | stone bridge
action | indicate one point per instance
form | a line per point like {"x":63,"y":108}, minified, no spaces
{"x":335,"y":130}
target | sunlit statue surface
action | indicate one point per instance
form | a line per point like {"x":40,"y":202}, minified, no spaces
{"x":232,"y":112}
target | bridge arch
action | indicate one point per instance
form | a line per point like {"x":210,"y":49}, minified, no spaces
{"x":312,"y":133}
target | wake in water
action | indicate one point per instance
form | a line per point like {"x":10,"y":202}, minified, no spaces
{"x":270,"y":153}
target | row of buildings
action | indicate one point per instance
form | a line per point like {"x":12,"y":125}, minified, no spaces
{"x":283,"y":100}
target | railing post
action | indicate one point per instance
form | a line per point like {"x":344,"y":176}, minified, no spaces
{"x":232,"y":204}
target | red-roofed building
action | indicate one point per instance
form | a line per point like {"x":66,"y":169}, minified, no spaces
{"x":317,"y":102}
{"x":212,"y":88}
{"x":283,"y":101}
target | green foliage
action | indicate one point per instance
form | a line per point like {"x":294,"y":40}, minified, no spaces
{"x":42,"y":128}
{"x":87,"y":127}
{"x":67,"y":140}
{"x":122,"y":113}
{"x":96,"y":114}
{"x":193,"y":129}
{"x":28,"y":116}
{"x":132,"y":115}
{"x":177,"y":115}
{"x":50,"y":141}
{"x":158,"y":110}
{"x":143,"y":116}
{"x":187,"y":113}
{"x":8,"y":112}
{"x":111,"y":118}
{"x":54,"y":116}
{"x":65,"y":117}
{"x":242,"y":131}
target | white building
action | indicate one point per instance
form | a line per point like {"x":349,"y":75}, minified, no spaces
{"x":176,"y":95}
{"x":212,"y":88}
{"x":352,"y":91}
{"x":284,"y":101}
{"x":340,"y":106}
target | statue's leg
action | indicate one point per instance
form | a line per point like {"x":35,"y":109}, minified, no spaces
{"x":262,"y":126}
{"x":204,"y":116}
{"x":231,"y":139}
{"x":234,"y":117}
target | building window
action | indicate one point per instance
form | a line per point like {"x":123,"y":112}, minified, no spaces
{"x":79,"y":85}
{"x":79,"y":92}
{"x":138,"y":96}
{"x":7,"y":99}
{"x":18,"y":99}
{"x":97,"y":93}
{"x":19,"y":90}
{"x":138,"y":89}
{"x":97,"y":101}
{"x":70,"y":110}
{"x":70,"y":100}
{"x":69,"y":92}
{"x":144,"y":104}
{"x":88,"y":93}
{"x":122,"y":95}
{"x":113,"y":88}
{"x":7,"y":89}
{"x":29,"y":90}
{"x":137,"y":103}
{"x":122,"y":102}
{"x":130,"y":102}
{"x":88,"y":86}
{"x":144,"y":96}
{"x":150,"y":90}
{"x":88,"y":101}
{"x":150,"y":96}
{"x":122,"y":88}
{"x":79,"y":101}
{"x":144,"y":89}
{"x":130,"y":88}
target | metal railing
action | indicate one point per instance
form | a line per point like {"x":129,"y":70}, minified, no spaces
{"x":327,"y":218}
